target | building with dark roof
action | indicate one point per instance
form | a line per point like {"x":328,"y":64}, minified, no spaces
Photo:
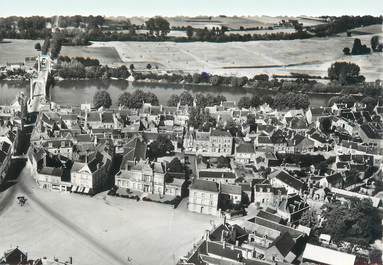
{"x":217,"y":176}
{"x":203,"y":197}
{"x":245,"y":153}
{"x":281,"y":178}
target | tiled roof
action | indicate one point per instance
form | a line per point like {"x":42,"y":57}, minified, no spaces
{"x":205,"y":185}
{"x":216,"y":174}
{"x":51,"y":171}
{"x":284,"y":243}
{"x":107,"y":117}
{"x":231,"y":189}
{"x":288,"y":179}
{"x":245,"y":148}
{"x":220,"y":133}
{"x":269,"y":216}
{"x":93,"y":117}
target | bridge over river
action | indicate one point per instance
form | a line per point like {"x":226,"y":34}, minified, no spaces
{"x":38,"y":100}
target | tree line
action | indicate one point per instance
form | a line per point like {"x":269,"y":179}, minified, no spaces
{"x":97,"y":28}
{"x":344,"y":78}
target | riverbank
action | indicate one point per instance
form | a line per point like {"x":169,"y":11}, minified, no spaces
{"x":76,"y":92}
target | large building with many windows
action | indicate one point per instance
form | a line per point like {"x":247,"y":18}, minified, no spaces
{"x":203,"y":197}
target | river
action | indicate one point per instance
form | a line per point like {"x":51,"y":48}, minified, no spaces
{"x":75,"y":92}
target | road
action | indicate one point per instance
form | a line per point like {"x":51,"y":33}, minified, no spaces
{"x":25,"y":186}
{"x":7,"y":197}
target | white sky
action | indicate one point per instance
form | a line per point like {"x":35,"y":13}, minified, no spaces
{"x":190,"y":7}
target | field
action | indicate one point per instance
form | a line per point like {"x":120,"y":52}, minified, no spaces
{"x":99,"y":230}
{"x":106,"y":55}
{"x":14,"y":51}
{"x":311,"y":56}
{"x":230,"y":22}
{"x":373,"y":29}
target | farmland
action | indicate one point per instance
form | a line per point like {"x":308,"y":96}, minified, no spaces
{"x":15,"y":51}
{"x":311,"y":56}
{"x":230,"y":22}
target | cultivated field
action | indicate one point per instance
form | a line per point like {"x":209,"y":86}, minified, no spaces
{"x":99,"y":230}
{"x":230,"y":22}
{"x":106,"y":55}
{"x":311,"y":56}
{"x":372,"y":29}
{"x":13,"y":51}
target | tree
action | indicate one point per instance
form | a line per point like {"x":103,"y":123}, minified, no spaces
{"x":325,"y":124}
{"x":175,"y":166}
{"x":359,"y":49}
{"x":151,"y":98}
{"x":244,"y":102}
{"x":357,"y":222}
{"x":232,"y":127}
{"x":261,"y":77}
{"x":148,"y":66}
{"x":173,"y":100}
{"x":377,"y":43}
{"x":160,"y":147}
{"x":38,"y":46}
{"x":349,"y":100}
{"x":220,"y":98}
{"x":139,"y":97}
{"x":102,"y":99}
{"x":215,"y":80}
{"x":45,"y":47}
{"x":56,"y":44}
{"x":200,"y":118}
{"x":268,"y":100}
{"x":196,"y":78}
{"x":189,"y":32}
{"x":158,"y":25}
{"x":223,"y":162}
{"x":346,"y":51}
{"x":125,"y":99}
{"x":291,"y":101}
{"x":255,"y":101}
{"x":186,"y":98}
{"x":309,"y":218}
{"x":131,"y":67}
{"x":345,"y":73}
{"x":370,"y":102}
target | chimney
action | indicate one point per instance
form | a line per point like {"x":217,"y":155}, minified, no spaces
{"x":207,"y":234}
{"x":236,"y":243}
{"x":222,"y":235}
{"x":70,"y":260}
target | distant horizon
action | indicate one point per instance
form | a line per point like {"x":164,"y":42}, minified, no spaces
{"x":187,"y":8}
